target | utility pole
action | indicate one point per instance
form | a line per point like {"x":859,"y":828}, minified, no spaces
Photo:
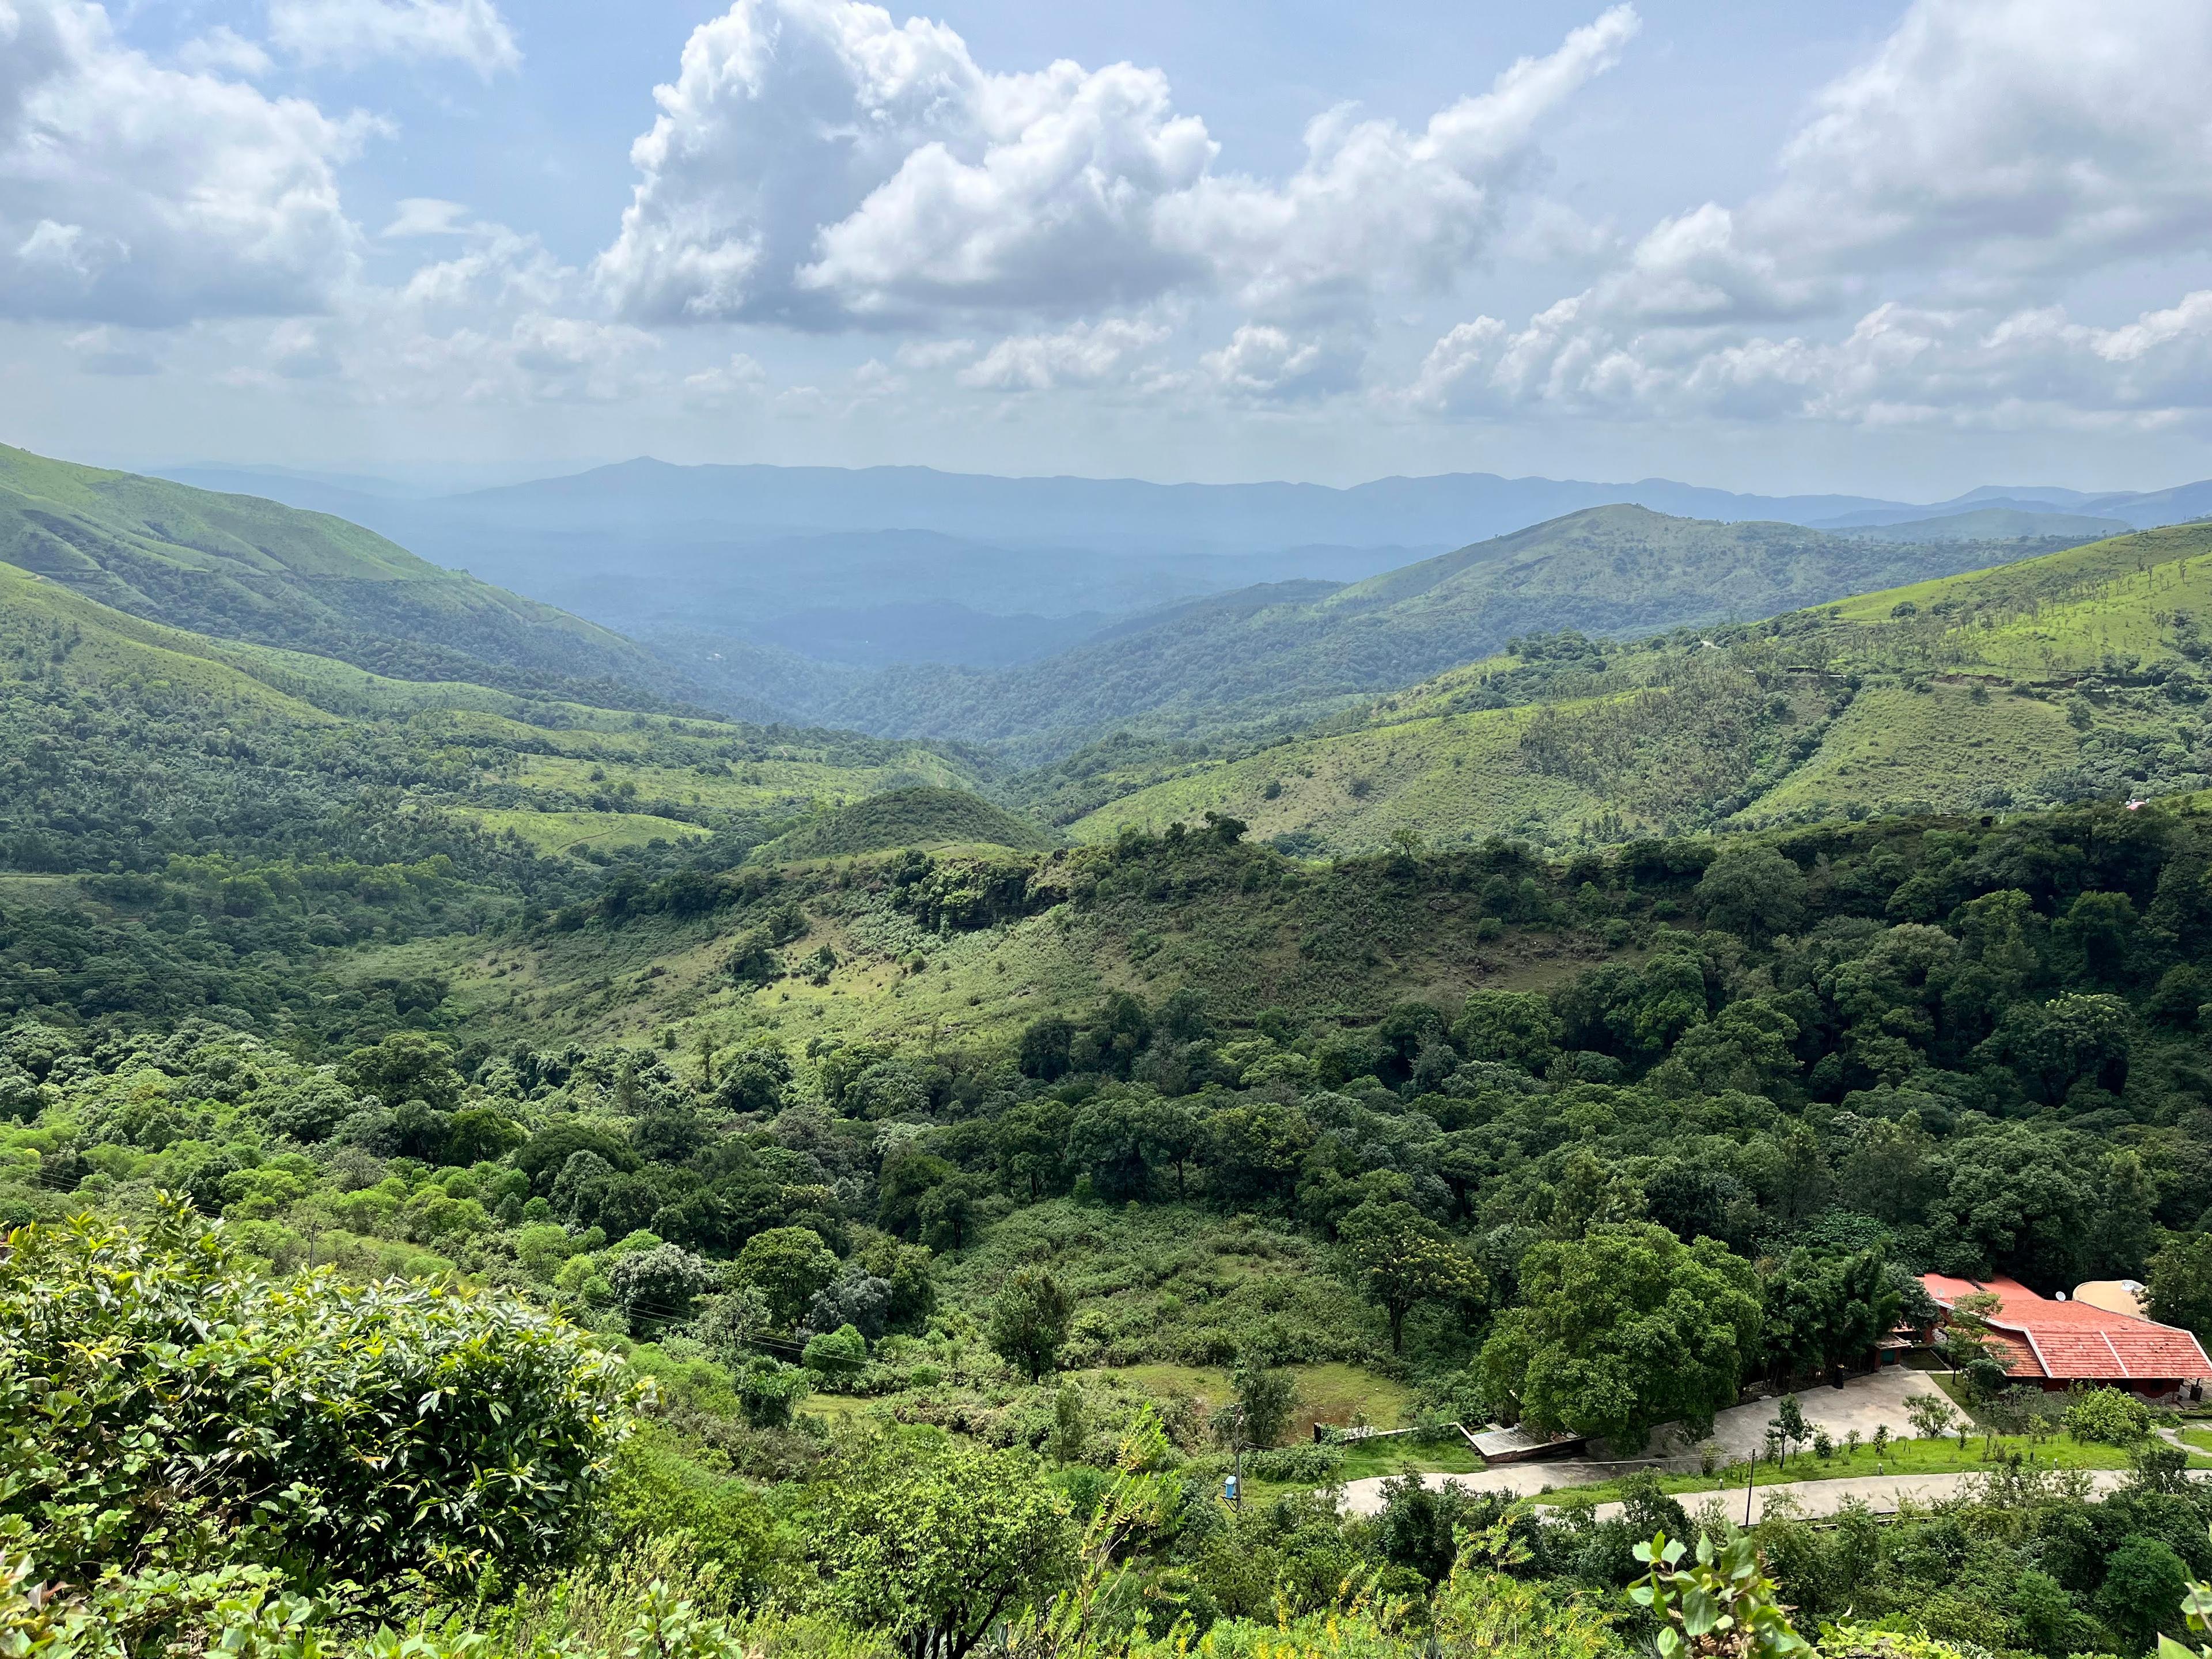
{"x":1750,"y":1469}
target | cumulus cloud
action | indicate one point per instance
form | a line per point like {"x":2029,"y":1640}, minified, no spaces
{"x":817,"y":164}
{"x":139,"y":194}
{"x":1088,"y":354}
{"x":351,"y":33}
{"x":1265,"y":363}
{"x":2029,"y":134}
{"x":106,"y":350}
{"x":1912,"y":262}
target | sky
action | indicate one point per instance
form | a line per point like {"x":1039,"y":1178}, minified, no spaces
{"x":1896,"y":249}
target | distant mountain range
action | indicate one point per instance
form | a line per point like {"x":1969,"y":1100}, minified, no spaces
{"x":879,"y":566}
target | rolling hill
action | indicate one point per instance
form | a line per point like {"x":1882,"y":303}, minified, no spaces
{"x":2076,"y":675}
{"x":239,"y":568}
{"x":1265,"y":661}
{"x":915,"y":816}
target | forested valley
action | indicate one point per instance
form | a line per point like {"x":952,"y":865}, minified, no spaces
{"x":501,"y":1164}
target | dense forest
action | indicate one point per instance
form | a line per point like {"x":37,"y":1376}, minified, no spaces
{"x":494,"y":1172}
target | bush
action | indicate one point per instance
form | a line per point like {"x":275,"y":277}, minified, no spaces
{"x":836,"y":1357}
{"x":161,"y":1401}
{"x":2107,"y":1416}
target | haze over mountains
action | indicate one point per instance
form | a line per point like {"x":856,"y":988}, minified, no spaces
{"x":779,"y":569}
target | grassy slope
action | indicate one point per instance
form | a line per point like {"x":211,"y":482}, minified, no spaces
{"x":554,"y":771}
{"x":2041,"y":626}
{"x":917,"y":815}
{"x":1348,"y":939}
{"x":1263,"y":661}
{"x":239,"y":568}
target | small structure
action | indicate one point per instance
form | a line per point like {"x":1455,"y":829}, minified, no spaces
{"x":2056,"y":1343}
{"x":1497,"y":1445}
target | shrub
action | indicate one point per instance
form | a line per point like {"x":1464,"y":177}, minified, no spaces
{"x":2107,"y":1416}
{"x":162,"y":1402}
{"x":1307,"y":1465}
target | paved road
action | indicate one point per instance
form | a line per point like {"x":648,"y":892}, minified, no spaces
{"x":1883,"y":1494}
{"x":1864,"y":1403}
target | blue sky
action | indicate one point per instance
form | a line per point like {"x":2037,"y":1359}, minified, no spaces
{"x":1903,"y":249}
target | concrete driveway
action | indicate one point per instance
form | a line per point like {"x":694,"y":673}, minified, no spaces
{"x":1863,"y":1403}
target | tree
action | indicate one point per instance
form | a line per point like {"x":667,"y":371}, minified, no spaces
{"x":768,"y":1391}
{"x":1753,"y":891}
{"x":1516,"y":1028}
{"x":1030,"y":1320}
{"x":656,"y":1286}
{"x":1403,"y":1259}
{"x":1264,"y":1398}
{"x":2180,"y":1282}
{"x":1622,"y":1330}
{"x":1930,"y":1414}
{"x":1825,"y":1312}
{"x":1790,"y":1426}
{"x":406,"y":1065}
{"x":787,"y":1265}
{"x":2144,"y":1584}
{"x":932,"y":1543}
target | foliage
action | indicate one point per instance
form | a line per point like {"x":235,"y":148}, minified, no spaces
{"x":932,"y":1542}
{"x":165,"y":1403}
{"x":1723,"y":1604}
{"x":1030,"y":1320}
{"x":1621,"y":1330}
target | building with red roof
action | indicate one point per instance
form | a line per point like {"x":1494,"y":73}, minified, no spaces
{"x":2057,"y":1343}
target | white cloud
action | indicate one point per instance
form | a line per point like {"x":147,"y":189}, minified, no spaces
{"x":816,"y":164}
{"x":423,"y":216}
{"x":1918,"y":249}
{"x":223,"y":51}
{"x":351,"y":33}
{"x":2023,"y":134}
{"x":1088,"y":354}
{"x":134,"y":193}
{"x":1263,"y":362}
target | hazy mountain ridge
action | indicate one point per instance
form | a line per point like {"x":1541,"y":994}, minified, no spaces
{"x":1267,"y":662}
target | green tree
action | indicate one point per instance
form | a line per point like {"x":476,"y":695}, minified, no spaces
{"x":1622,"y":1330}
{"x":1824,"y":1311}
{"x":932,"y":1542}
{"x":1753,"y":891}
{"x":787,"y":1265}
{"x":1265,"y":1396}
{"x":1030,"y":1320}
{"x":2180,"y":1282}
{"x":2144,"y":1584}
{"x":406,"y":1065}
{"x":1516,"y":1028}
{"x":1403,"y":1258}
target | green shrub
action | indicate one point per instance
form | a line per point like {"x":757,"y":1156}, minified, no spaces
{"x":2107,"y":1416}
{"x":162,"y":1404}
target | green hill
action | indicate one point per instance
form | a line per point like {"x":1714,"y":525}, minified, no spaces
{"x":239,"y":568}
{"x":918,"y":815}
{"x":1266,"y":661}
{"x":2076,"y":675}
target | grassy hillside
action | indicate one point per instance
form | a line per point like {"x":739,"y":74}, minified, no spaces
{"x":1265,"y":661}
{"x":238,"y":568}
{"x":128,"y":742}
{"x":2072,"y":676}
{"x":918,"y":816}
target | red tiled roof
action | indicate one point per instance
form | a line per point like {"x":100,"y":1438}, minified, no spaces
{"x":2067,"y":1340}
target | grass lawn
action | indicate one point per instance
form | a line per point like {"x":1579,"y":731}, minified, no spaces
{"x":1335,"y":1394}
{"x":2200,"y":1438}
{"x":1901,"y":1457}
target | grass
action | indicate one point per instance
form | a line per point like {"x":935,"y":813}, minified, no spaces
{"x":1901,"y":1457}
{"x":1939,"y":747}
{"x":573,"y":832}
